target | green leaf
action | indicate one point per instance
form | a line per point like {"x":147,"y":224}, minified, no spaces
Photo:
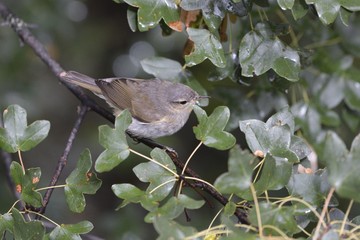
{"x":34,"y":134}
{"x":150,"y":12}
{"x":210,"y":129}
{"x":331,"y":92}
{"x":327,"y":10}
{"x":299,"y":9}
{"x":352,"y":95}
{"x":26,"y":183}
{"x":260,"y":52}
{"x":286,"y":4}
{"x":275,"y":137}
{"x":207,"y":46}
{"x":71,"y":231}
{"x":230,"y":70}
{"x":229,"y":209}
{"x":343,"y":166}
{"x":131,"y":194}
{"x":16,"y":135}
{"x":131,"y":15}
{"x":162,"y":68}
{"x":351,"y":5}
{"x":114,"y":141}
{"x":32,"y":230}
{"x":274,"y":176}
{"x":157,"y":175}
{"x":283,"y":117}
{"x":272,"y":215}
{"x":240,"y":166}
{"x":308,"y":118}
{"x":210,"y":10}
{"x":313,"y":187}
{"x":174,"y":207}
{"x":334,"y":151}
{"x":169,"y":229}
{"x":6,"y":223}
{"x":81,"y":181}
{"x":351,"y":119}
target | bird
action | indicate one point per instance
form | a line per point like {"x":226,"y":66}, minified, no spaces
{"x":158,"y":107}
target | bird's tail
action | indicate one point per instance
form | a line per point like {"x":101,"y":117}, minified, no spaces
{"x":81,"y":80}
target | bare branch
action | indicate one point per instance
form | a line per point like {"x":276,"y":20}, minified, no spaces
{"x":63,"y":159}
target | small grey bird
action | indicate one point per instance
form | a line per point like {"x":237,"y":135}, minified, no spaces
{"x":158,"y":108}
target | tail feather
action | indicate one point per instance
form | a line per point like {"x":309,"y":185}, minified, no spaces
{"x":81,"y":80}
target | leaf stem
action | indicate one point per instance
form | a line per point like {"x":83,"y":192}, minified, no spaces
{"x":345,"y":217}
{"x":152,"y":160}
{"x":185,"y":166}
{"x":212,"y":222}
{"x":323,"y":212}
{"x":257,"y":209}
{"x":191,"y":155}
{"x":21,"y":162}
{"x":51,"y":187}
{"x":162,"y":184}
{"x":312,"y":209}
{"x":13,"y":205}
{"x":43,"y":216}
{"x":277,"y":230}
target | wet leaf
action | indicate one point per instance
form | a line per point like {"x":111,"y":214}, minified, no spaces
{"x":343,"y":165}
{"x":6,"y":223}
{"x":312,"y":187}
{"x":81,"y":181}
{"x":157,"y":175}
{"x":32,"y":230}
{"x":260,"y":51}
{"x":206,"y":46}
{"x":240,"y":171}
{"x":210,"y":129}
{"x":151,"y":12}
{"x":174,"y":207}
{"x":114,"y":141}
{"x":169,"y":229}
{"x":162,"y":68}
{"x":17,"y":135}
{"x":272,"y":215}
{"x":71,"y":231}
{"x":26,"y":183}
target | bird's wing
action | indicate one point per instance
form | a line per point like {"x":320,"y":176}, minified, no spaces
{"x":125,"y":93}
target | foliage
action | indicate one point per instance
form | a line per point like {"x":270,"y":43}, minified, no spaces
{"x":80,"y":181}
{"x":290,"y":86}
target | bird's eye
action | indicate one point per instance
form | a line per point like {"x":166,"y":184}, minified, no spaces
{"x":180,"y":102}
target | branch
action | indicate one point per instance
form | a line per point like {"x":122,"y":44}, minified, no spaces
{"x":26,"y":36}
{"x":20,"y":28}
{"x":62,"y":161}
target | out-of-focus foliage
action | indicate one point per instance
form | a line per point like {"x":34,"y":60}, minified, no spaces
{"x":287,"y":73}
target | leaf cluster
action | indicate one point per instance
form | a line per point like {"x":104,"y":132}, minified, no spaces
{"x":17,"y":136}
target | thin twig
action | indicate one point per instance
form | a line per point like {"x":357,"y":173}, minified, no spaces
{"x":63,"y":160}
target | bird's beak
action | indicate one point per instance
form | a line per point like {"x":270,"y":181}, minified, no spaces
{"x":202,"y":103}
